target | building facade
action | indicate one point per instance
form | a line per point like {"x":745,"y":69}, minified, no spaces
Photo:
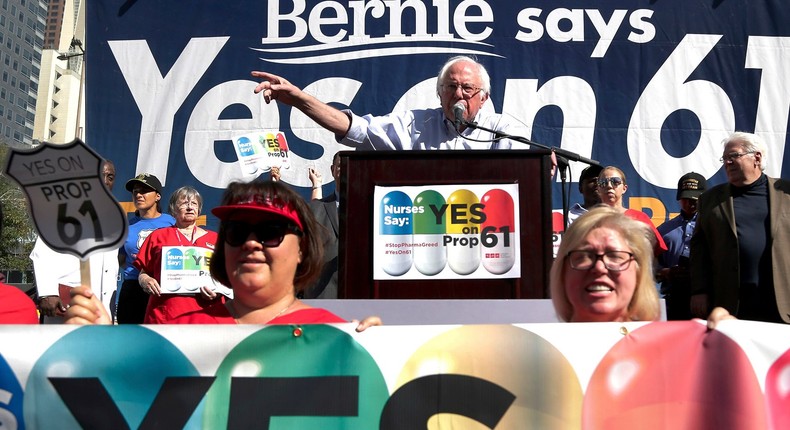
{"x":22,"y":24}
{"x":58,"y":115}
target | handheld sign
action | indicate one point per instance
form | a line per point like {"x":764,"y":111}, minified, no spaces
{"x":259,"y":152}
{"x":71,"y":208}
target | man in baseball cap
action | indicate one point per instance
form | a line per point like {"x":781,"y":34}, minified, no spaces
{"x":673,"y":265}
{"x":690,"y":186}
{"x":588,"y":188}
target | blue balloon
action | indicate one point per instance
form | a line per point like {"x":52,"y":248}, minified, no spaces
{"x":11,"y":398}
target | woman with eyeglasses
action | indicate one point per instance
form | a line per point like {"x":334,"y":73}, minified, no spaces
{"x":611,"y":188}
{"x":146,"y":195}
{"x":185,"y":238}
{"x":604,"y":270}
{"x":269,"y":248}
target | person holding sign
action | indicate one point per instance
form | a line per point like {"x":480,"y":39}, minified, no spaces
{"x":604,"y":270}
{"x":179,"y":245}
{"x":268,"y":250}
{"x":146,"y":193}
{"x":58,"y":272}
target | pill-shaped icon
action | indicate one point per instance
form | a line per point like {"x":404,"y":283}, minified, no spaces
{"x":498,"y":234}
{"x":396,"y":227}
{"x":430,"y":254}
{"x":463,"y":232}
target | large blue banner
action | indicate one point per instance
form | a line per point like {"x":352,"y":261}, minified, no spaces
{"x":649,"y":86}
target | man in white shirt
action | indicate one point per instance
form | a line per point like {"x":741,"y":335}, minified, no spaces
{"x":462,"y":82}
{"x":57,"y":272}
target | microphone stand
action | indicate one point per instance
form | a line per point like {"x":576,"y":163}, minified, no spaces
{"x":563,"y":155}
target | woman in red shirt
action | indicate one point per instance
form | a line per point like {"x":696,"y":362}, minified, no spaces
{"x":185,"y":206}
{"x":269,"y":248}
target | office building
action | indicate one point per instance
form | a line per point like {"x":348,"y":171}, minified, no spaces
{"x":22,"y":24}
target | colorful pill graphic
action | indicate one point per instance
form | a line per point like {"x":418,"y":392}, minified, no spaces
{"x":397,"y":226}
{"x":463,"y":232}
{"x":430,"y":255}
{"x":174,"y":260}
{"x":246,"y":150}
{"x":498,"y":232}
{"x":191,"y":258}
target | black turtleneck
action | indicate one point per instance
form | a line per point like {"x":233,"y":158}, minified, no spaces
{"x":753,"y":224}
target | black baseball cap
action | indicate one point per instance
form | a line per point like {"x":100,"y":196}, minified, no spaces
{"x":592,"y":171}
{"x":147,"y":180}
{"x":691,"y":185}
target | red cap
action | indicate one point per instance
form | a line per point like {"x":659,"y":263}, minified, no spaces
{"x":257,"y":205}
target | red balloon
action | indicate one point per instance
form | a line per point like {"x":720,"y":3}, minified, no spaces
{"x":674,"y":375}
{"x":777,"y":392}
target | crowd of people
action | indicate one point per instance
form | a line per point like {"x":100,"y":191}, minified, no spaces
{"x":722,"y":256}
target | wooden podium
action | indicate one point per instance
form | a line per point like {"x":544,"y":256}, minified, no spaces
{"x":361,"y":171}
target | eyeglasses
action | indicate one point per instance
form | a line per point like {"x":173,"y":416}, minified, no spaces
{"x":270,"y":235}
{"x":614,"y":180}
{"x":732,"y":156}
{"x":184,"y":205}
{"x":466,"y":89}
{"x":616,"y":261}
{"x":142,"y":190}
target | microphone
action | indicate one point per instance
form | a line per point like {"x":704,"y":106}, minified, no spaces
{"x":458,"y":113}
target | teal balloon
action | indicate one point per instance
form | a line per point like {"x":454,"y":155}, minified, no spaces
{"x":131,"y":361}
{"x":319,"y":350}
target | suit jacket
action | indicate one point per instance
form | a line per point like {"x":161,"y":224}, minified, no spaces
{"x":325,"y":211}
{"x":714,"y":247}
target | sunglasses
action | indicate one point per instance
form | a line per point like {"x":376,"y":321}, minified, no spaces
{"x":614,"y":180}
{"x":270,"y":235}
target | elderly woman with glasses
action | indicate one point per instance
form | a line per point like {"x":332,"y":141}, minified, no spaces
{"x":269,"y":248}
{"x":181,"y":239}
{"x":611,"y":188}
{"x":604,"y":270}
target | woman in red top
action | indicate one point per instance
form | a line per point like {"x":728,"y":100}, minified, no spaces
{"x":269,"y":248}
{"x":185,"y":206}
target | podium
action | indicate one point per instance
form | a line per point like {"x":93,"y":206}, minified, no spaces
{"x":362,"y":171}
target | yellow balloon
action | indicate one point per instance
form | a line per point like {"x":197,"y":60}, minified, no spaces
{"x":547,"y":389}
